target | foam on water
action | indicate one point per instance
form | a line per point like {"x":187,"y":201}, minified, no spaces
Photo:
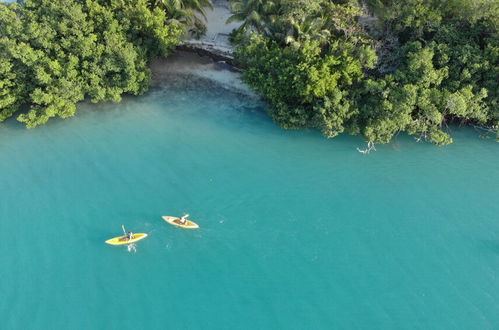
{"x":297,"y":231}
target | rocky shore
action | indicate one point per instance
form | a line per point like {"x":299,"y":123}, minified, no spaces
{"x":191,"y":63}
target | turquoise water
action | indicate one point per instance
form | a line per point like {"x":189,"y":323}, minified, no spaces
{"x":297,"y":231}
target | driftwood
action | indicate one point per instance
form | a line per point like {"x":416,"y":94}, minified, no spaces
{"x":370,"y":147}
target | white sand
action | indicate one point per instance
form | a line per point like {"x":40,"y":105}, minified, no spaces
{"x":217,"y":18}
{"x":216,"y":30}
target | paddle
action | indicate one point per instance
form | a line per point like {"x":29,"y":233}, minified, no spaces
{"x":124,"y":231}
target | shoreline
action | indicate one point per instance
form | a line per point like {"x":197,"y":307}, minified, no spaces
{"x":213,"y":52}
{"x":202,"y":65}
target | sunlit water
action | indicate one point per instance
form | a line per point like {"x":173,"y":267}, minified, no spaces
{"x":297,"y":231}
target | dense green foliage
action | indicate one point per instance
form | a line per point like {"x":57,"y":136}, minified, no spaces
{"x":412,"y":67}
{"x":185,"y":12}
{"x":54,"y":53}
{"x":316,"y":65}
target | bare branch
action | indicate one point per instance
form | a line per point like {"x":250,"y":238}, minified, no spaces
{"x":370,"y":147}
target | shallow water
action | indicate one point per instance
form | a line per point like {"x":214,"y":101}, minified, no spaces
{"x":297,"y":231}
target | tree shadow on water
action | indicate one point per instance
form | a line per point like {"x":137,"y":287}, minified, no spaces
{"x":12,"y":124}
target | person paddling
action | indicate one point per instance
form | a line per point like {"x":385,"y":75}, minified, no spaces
{"x":130,"y":235}
{"x":183,"y":220}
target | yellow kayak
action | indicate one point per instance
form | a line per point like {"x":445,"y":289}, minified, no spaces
{"x":176,"y":222}
{"x":122,"y":240}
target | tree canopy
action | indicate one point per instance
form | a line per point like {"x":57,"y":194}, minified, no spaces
{"x":374,"y":67}
{"x":320,"y":65}
{"x":54,"y":53}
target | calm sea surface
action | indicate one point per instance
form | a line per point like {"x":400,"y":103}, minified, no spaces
{"x":297,"y":231}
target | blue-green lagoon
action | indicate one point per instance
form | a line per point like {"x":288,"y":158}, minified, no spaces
{"x":297,"y":231}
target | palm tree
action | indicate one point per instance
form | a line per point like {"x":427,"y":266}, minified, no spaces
{"x":255,"y":14}
{"x":287,"y":23}
{"x":310,"y":27}
{"x":185,"y":11}
{"x":333,"y":21}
